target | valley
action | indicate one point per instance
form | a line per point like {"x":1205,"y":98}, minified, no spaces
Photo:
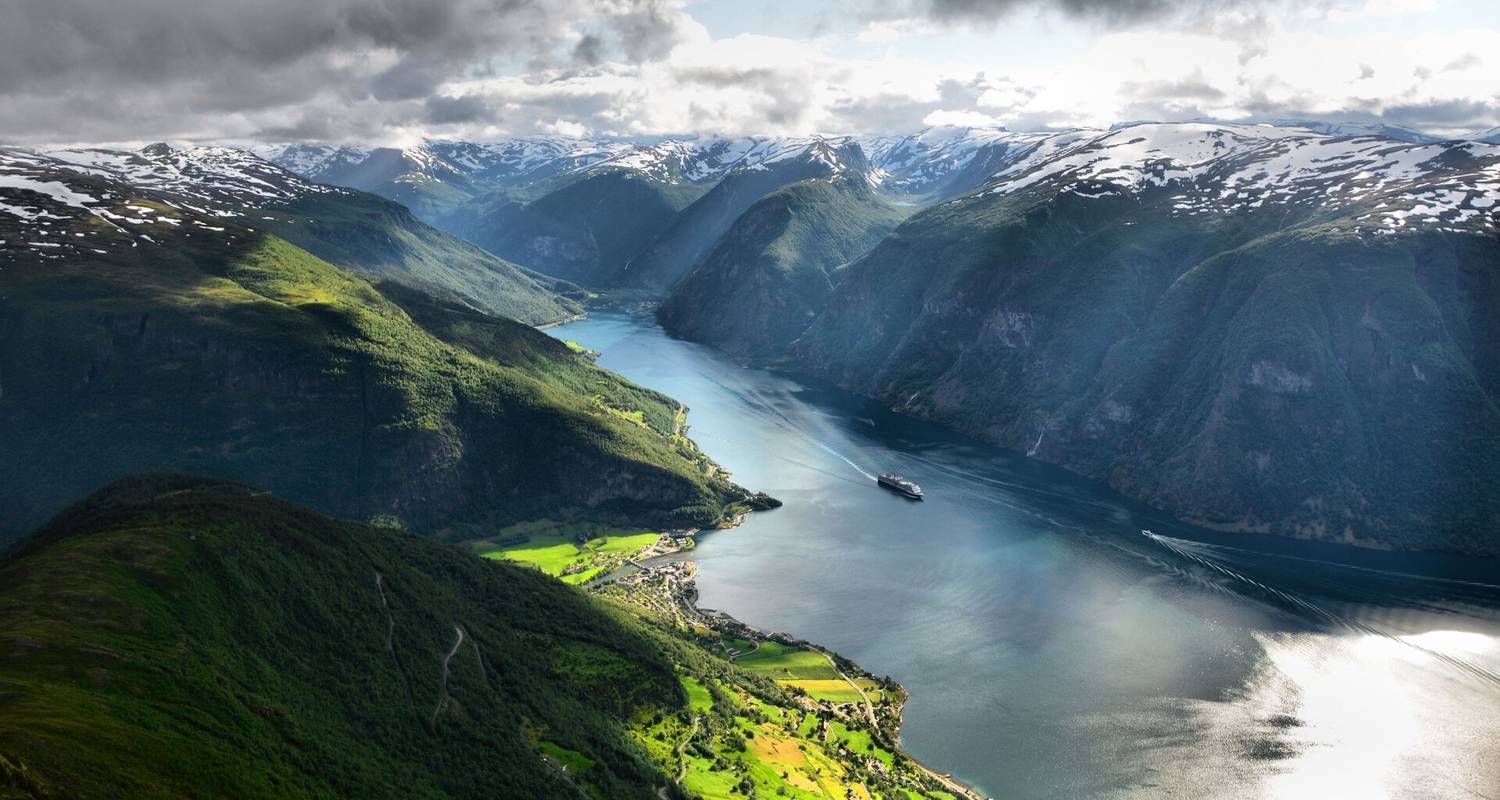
{"x":724,"y":400}
{"x":1197,"y":335}
{"x":1224,"y":321}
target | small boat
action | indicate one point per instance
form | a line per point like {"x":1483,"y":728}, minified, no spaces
{"x":900,"y":485}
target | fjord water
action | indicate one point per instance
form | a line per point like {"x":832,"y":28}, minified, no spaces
{"x":1051,"y":649}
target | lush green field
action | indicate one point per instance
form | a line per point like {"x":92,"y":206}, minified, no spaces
{"x":779,"y":662}
{"x":555,"y":549}
{"x":836,"y":690}
{"x":771,"y":750}
{"x":806,"y":670}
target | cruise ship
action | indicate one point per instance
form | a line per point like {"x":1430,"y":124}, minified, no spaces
{"x":898,"y":484}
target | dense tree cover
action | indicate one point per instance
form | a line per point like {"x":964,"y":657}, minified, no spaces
{"x":173,"y":636}
{"x":769,"y":275}
{"x":231,"y":352}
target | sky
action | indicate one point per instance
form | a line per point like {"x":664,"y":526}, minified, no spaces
{"x":392,"y":72}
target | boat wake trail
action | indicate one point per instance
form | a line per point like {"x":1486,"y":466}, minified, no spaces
{"x":794,"y":462}
{"x":846,"y":460}
{"x":766,"y":409}
{"x":1194,"y":552}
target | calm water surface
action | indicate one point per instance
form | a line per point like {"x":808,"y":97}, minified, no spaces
{"x":1054,"y":651}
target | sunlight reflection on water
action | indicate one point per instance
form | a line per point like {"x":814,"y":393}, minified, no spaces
{"x":1051,"y":650}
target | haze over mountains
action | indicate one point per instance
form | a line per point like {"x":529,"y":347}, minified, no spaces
{"x":1118,"y":301}
{"x":1115,"y":301}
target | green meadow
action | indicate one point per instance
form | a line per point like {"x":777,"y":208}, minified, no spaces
{"x":576,"y":552}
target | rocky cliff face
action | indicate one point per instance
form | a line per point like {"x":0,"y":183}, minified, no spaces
{"x":1221,"y":324}
{"x":585,"y":230}
{"x":694,"y":231}
{"x":773,"y":271}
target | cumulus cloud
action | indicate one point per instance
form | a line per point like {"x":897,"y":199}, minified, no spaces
{"x":393,"y":71}
{"x":128,"y":68}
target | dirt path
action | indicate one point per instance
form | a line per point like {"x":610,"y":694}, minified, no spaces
{"x":869,"y":707}
{"x":390,"y":647}
{"x":390,"y":621}
{"x":681,"y":761}
{"x":681,"y":746}
{"x":443,"y":692}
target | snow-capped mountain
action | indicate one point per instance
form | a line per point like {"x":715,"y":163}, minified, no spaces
{"x":315,"y":161}
{"x":436,"y":175}
{"x":1219,"y":168}
{"x":501,"y":162}
{"x":225,"y":179}
{"x":943,"y":160}
{"x":219,"y":194}
{"x":516,"y":161}
{"x":52,"y":208}
{"x":710,"y":159}
{"x":1491,"y":136}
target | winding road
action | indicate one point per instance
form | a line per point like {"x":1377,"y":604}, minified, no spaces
{"x":443,"y":692}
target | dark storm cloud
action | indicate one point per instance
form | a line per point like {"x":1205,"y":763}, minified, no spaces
{"x":589,"y":50}
{"x":150,"y":68}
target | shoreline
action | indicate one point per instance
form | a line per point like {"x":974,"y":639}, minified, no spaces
{"x":679,"y":576}
{"x":575,"y":318}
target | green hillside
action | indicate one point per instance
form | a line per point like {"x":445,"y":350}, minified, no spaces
{"x":176,"y":637}
{"x":222,"y":351}
{"x":384,"y":239}
{"x":771,"y":273}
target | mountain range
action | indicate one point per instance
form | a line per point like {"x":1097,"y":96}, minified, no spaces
{"x":1116,"y":301}
{"x":152,"y":318}
{"x":349,"y":228}
{"x":1224,"y":320}
{"x":1254,"y":328}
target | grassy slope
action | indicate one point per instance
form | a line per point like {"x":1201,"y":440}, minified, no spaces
{"x":248,"y":636}
{"x":240,"y":355}
{"x":382,"y":238}
{"x":1305,"y":381}
{"x":773,"y":270}
{"x":182,"y":637}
